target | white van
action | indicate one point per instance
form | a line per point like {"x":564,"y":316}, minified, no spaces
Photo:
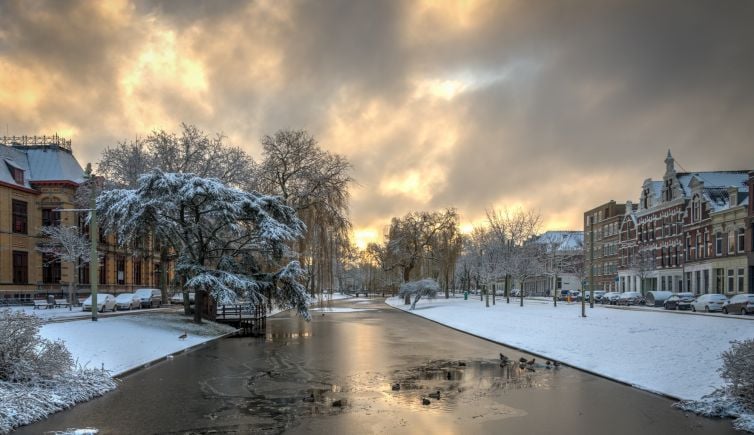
{"x":150,"y":297}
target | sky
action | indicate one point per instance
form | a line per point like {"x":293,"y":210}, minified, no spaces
{"x":556,"y":106}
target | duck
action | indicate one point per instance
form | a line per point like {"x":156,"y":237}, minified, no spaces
{"x":396,"y":386}
{"x":462,"y":363}
{"x":522,"y":360}
{"x":531,"y":363}
{"x":425,"y":401}
{"x":530,"y":368}
{"x":338,"y":403}
{"x":556,"y":364}
{"x":435,"y":396}
{"x":503,"y":357}
{"x":310,"y":398}
{"x":183,"y":336}
{"x":548,"y":362}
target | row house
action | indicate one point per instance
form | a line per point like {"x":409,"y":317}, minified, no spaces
{"x":39,"y":177}
{"x":687,"y":234}
{"x":602,"y":224}
{"x":749,"y":234}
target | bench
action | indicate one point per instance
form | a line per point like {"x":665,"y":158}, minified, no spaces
{"x":62,"y":303}
{"x":41,"y":304}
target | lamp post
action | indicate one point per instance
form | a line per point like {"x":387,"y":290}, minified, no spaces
{"x":93,"y":238}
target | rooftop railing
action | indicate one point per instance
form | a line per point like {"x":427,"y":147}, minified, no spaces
{"x":31,"y":141}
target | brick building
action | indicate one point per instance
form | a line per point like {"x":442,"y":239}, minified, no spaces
{"x":685,"y":233}
{"x":38,"y":178}
{"x":605,"y":220}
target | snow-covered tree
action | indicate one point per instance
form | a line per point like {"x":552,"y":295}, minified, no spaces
{"x":229,"y":243}
{"x":423,"y":288}
{"x":189,"y":151}
{"x":737,"y":369}
{"x":66,"y":244}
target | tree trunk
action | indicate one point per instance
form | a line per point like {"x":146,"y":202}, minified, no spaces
{"x":555,"y":291}
{"x":522,"y":292}
{"x":507,"y":290}
{"x":164,"y":273}
{"x":416,"y":299}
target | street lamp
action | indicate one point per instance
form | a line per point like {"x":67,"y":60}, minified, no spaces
{"x":93,"y":238}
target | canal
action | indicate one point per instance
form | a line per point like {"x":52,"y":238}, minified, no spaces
{"x":339,"y":372}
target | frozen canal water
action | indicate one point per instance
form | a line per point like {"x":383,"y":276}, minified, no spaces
{"x":289,"y":381}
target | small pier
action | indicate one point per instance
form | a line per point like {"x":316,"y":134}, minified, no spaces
{"x":251,"y":320}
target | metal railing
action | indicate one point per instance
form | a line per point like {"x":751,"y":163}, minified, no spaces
{"x":30,"y":141}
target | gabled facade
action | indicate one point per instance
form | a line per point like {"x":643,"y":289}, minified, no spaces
{"x":673,"y":241}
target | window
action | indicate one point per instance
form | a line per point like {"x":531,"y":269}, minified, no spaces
{"x":16,"y":173}
{"x":731,"y":242}
{"x":698,"y":246}
{"x":20,"y":267}
{"x":741,"y":280}
{"x":719,"y":244}
{"x":50,"y":269}
{"x":731,"y":281}
{"x":120,"y":268}
{"x":19,"y":216}
{"x":741,"y":240}
{"x":83,"y":273}
{"x":137,"y":271}
{"x":103,"y":270}
{"x":50,"y":217}
{"x":705,"y":251}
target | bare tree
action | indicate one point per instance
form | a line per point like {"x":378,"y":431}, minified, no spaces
{"x":412,"y":237}
{"x":315,"y":183}
{"x":66,"y":244}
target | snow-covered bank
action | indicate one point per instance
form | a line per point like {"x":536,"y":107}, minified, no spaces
{"x":119,"y":344}
{"x":669,"y":354}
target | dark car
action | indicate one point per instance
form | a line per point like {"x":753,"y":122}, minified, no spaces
{"x":679,"y":301}
{"x":743,"y":304}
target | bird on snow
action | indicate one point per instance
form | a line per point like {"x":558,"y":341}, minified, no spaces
{"x":183,"y":336}
{"x":435,"y":395}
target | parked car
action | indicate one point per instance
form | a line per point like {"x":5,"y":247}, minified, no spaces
{"x":564,"y":294}
{"x":515,"y":292}
{"x":105,"y":301}
{"x":575,"y":296}
{"x":150,"y":297}
{"x":630,"y":298}
{"x":709,"y":302}
{"x":127,"y":301}
{"x":679,"y":301}
{"x":611,"y":298}
{"x":597,"y":295}
{"x":743,"y":303}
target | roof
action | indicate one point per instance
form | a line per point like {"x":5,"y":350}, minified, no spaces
{"x":712,"y":179}
{"x":39,"y":164}
{"x":563,"y":240}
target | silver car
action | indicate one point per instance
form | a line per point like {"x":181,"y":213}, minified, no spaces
{"x":127,"y":301}
{"x":709,"y":302}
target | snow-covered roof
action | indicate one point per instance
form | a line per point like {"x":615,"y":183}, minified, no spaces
{"x":564,"y":240}
{"x":39,"y":164}
{"x":719,"y":179}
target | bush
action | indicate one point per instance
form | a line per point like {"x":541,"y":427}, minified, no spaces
{"x":24,"y":355}
{"x":738,"y":370}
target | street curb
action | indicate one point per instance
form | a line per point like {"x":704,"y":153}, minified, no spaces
{"x":169,"y":356}
{"x":111,"y":314}
{"x":599,"y":375}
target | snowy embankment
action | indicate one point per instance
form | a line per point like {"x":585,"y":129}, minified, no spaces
{"x":666,"y":353}
{"x":119,"y":344}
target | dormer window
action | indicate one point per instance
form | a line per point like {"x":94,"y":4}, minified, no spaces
{"x":16,"y":173}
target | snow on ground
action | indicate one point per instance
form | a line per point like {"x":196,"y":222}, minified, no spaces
{"x":55,"y":314}
{"x":122,"y":343}
{"x":672,"y":354}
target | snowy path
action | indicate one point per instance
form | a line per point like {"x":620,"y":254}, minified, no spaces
{"x":671,"y":354}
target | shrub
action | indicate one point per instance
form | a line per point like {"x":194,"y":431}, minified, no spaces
{"x":738,"y":370}
{"x":25,"y":355}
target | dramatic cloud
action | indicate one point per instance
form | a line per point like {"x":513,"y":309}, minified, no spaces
{"x":557,"y":106}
